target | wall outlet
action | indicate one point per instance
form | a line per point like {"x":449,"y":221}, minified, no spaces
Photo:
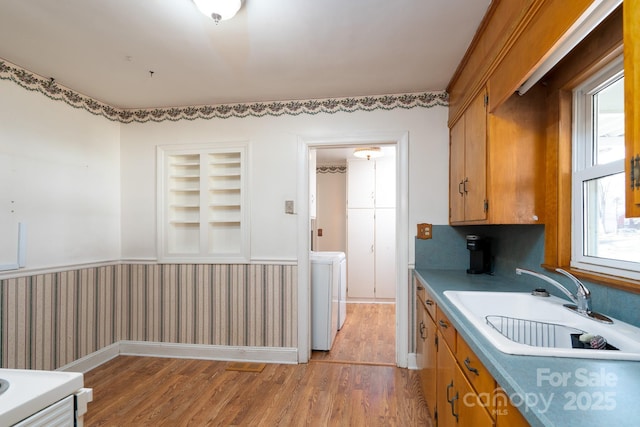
{"x":288,"y":207}
{"x":424,"y":231}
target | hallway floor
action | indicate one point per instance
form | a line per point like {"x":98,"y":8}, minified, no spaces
{"x":367,"y":337}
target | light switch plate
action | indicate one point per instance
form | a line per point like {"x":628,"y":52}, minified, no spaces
{"x":288,"y":207}
{"x":424,"y":231}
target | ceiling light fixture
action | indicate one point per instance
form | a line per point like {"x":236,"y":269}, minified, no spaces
{"x":368,"y":152}
{"x":218,"y":10}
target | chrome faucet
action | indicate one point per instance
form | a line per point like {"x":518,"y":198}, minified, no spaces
{"x":582,"y":298}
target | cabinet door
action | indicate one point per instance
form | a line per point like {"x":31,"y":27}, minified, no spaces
{"x":469,"y":406}
{"x":456,"y":172}
{"x":475,"y":164}
{"x":385,"y":253}
{"x":429,"y":374}
{"x":385,"y":183}
{"x":631,"y":17}
{"x":360,"y":253}
{"x":361,"y":181}
{"x":446,"y":395}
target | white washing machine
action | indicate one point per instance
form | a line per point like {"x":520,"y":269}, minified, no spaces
{"x":328,"y":297}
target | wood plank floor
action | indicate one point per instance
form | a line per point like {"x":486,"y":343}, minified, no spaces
{"x":368,"y":336}
{"x":144,"y":391}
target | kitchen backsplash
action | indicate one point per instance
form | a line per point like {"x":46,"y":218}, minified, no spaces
{"x":515,"y":246}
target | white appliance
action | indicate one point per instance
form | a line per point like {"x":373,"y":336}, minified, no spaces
{"x":328,"y":297}
{"x":43,"y":398}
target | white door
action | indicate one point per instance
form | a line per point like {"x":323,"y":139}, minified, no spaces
{"x":360,"y":253}
{"x":385,"y":253}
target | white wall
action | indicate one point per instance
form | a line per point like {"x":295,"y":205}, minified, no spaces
{"x":273,"y":176}
{"x":332,"y":208}
{"x":59,"y":175}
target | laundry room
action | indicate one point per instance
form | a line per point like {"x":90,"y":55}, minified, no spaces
{"x":353,"y":251}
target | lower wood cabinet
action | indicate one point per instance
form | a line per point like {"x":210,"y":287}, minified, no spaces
{"x":470,"y":407}
{"x":427,"y":353}
{"x":457,"y":387}
{"x":447,"y":393}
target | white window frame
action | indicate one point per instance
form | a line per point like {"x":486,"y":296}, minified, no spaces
{"x":240,"y":252}
{"x":584,"y":170}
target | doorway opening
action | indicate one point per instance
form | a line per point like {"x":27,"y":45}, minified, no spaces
{"x":354,"y":213}
{"x":400,"y":320}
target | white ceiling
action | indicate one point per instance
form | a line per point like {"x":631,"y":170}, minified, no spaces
{"x":273,"y":50}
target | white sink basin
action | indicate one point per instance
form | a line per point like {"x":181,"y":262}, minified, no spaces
{"x":520,"y":323}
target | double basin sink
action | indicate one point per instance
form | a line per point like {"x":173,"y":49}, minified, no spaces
{"x":526,"y":324}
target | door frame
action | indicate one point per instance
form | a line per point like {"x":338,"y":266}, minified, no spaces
{"x":401,"y":140}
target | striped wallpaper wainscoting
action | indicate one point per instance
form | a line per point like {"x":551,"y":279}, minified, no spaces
{"x":50,"y":320}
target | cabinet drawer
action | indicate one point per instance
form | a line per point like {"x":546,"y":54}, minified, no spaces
{"x":426,"y":298}
{"x":478,"y":376}
{"x":430,"y":303}
{"x":446,"y":329}
{"x":421,"y":291}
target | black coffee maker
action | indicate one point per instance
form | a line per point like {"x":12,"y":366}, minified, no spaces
{"x":479,"y":254}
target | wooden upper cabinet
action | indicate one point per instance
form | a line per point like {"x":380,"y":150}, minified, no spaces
{"x":515,"y":37}
{"x":497,"y":162}
{"x":631,"y":29}
{"x":468,"y":162}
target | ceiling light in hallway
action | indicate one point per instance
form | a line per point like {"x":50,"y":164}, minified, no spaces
{"x":218,"y":10}
{"x":368,"y":152}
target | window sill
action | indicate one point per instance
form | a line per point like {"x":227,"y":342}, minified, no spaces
{"x":617,"y":282}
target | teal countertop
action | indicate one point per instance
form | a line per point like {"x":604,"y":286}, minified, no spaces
{"x":549,"y":391}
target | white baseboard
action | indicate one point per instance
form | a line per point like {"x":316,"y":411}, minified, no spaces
{"x":93,"y":360}
{"x":412,"y":361}
{"x":284,"y":355}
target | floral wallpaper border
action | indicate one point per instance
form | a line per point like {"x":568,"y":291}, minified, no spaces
{"x":53,"y":90}
{"x":331,"y":169}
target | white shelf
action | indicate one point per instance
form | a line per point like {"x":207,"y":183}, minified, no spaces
{"x":202,"y":204}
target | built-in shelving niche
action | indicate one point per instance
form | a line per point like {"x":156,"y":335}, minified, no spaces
{"x":202,"y":203}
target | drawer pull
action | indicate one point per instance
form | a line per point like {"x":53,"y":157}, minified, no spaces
{"x":429,"y":302}
{"x":443,"y":324}
{"x":452,"y":400}
{"x":420,"y":288}
{"x":467,"y":364}
{"x":422,"y":328}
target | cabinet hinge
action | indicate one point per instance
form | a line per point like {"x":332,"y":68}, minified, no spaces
{"x":486,"y":205}
{"x":486,"y":99}
{"x":436,"y":341}
{"x":634,"y":172}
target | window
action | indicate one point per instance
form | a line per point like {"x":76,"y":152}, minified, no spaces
{"x":603,"y":239}
{"x":202,"y":204}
